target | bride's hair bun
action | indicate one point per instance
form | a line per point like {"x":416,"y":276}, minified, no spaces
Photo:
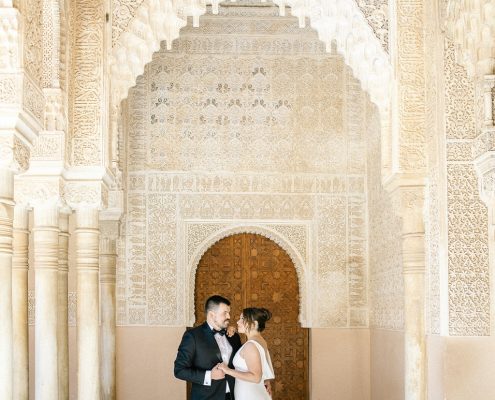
{"x":266,"y":314}
{"x":259,"y":315}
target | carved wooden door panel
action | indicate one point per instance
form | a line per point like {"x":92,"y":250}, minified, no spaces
{"x":253,"y":271}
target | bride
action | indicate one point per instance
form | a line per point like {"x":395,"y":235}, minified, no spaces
{"x":252,"y":362}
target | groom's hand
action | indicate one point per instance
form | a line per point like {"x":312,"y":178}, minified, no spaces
{"x":231,"y":330}
{"x":217,"y":373}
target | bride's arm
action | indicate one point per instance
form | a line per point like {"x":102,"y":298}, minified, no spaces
{"x":253,"y":361}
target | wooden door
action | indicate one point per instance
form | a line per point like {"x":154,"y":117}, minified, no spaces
{"x":253,"y":271}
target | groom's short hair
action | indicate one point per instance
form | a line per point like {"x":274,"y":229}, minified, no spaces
{"x":214,"y":301}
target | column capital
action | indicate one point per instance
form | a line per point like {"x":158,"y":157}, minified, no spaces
{"x":408,"y":199}
{"x":407,"y":193}
{"x":14,"y":151}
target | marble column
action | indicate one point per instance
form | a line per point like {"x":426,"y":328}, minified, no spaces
{"x":20,"y":303}
{"x":63,"y":308}
{"x":108,"y":261}
{"x":87,"y":246}
{"x":408,"y":199}
{"x":45,"y":242}
{"x":6,"y":332}
{"x":414,"y":266}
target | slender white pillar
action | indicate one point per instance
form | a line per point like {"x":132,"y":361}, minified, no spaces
{"x":63,"y":308}
{"x":413,"y":259}
{"x":108,"y":262}
{"x":45,"y":241}
{"x":87,"y":242}
{"x":6,"y":333}
{"x":20,"y":303}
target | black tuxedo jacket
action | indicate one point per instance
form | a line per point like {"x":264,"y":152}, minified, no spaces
{"x":199,"y":352}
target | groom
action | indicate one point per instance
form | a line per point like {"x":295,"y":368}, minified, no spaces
{"x":202,"y":348}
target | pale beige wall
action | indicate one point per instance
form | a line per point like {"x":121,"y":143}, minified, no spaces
{"x":387,"y":365}
{"x":469,"y":368}
{"x":435,"y":347}
{"x":339,"y":364}
{"x":461,"y":368}
{"x":145,"y":359}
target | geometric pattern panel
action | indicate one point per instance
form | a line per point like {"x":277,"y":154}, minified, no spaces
{"x":469,"y":270}
{"x":251,"y":123}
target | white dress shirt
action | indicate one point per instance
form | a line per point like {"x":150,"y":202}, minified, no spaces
{"x":225,"y":350}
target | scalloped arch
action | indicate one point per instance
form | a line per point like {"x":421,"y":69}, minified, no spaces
{"x":340,"y":20}
{"x":283,"y":242}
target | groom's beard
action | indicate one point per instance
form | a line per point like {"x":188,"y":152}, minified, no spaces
{"x":224,"y":324}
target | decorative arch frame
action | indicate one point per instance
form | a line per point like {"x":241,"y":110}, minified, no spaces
{"x":299,"y":264}
{"x":339,"y":21}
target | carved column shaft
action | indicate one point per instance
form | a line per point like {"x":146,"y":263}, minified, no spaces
{"x":108,"y":262}
{"x":63,"y":308}
{"x":408,"y":199}
{"x":6,"y":333}
{"x":45,"y":239}
{"x":20,"y":303}
{"x":87,"y":242}
{"x":413,"y":259}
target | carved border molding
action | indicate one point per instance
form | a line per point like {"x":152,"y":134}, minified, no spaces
{"x":341,"y":21}
{"x":215,"y":231}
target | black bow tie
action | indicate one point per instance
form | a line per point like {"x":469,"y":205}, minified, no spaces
{"x":221,"y":332}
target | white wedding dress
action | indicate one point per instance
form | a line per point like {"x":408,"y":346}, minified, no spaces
{"x":252,"y":391}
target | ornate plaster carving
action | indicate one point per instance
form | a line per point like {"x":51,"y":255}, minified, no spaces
{"x":87,"y":99}
{"x":78,"y":193}
{"x":341,"y":21}
{"x":9,"y":39}
{"x":468,"y":265}
{"x":32,"y":12}
{"x":55,"y":119}
{"x":50,"y":77}
{"x":14,"y":153}
{"x":210,"y":108}
{"x":471,"y":24}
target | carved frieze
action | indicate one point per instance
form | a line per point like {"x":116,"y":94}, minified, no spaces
{"x":32,"y":11}
{"x":87,"y":80}
{"x":29,"y":189}
{"x":89,"y":193}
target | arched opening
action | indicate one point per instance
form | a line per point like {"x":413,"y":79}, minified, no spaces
{"x":252,"y":270}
